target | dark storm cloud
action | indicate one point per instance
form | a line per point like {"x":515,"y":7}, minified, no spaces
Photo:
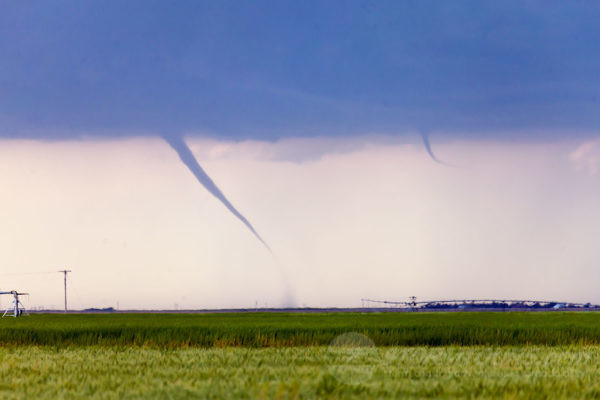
{"x":275,"y":69}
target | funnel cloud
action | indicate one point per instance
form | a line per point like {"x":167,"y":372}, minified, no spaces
{"x":186,"y":155}
{"x":427,"y":145}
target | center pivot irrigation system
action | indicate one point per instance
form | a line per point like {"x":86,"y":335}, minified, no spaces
{"x":432,"y":305}
{"x":16,"y":308}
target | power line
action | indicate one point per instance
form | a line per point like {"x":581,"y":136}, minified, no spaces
{"x":27,"y":273}
{"x":65,"y":272}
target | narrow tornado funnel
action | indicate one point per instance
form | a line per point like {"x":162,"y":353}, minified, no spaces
{"x":427,"y":144}
{"x":186,"y":155}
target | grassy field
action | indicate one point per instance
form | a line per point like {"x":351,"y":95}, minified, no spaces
{"x":277,"y":330}
{"x":270,"y":355}
{"x":300,"y":372}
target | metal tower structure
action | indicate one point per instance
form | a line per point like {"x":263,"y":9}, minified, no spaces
{"x":65,"y":272}
{"x":16,"y":307}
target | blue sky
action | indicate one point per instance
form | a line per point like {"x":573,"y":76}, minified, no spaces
{"x":275,"y":69}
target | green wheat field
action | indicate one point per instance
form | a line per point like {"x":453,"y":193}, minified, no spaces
{"x":299,"y":355}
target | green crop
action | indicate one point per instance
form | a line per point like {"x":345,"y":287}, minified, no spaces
{"x":299,"y":372}
{"x":301,"y":329}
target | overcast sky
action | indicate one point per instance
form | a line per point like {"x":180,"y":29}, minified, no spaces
{"x":269,"y":69}
{"x":307,"y":118}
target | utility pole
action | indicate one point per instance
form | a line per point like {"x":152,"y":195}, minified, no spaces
{"x":65,"y":272}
